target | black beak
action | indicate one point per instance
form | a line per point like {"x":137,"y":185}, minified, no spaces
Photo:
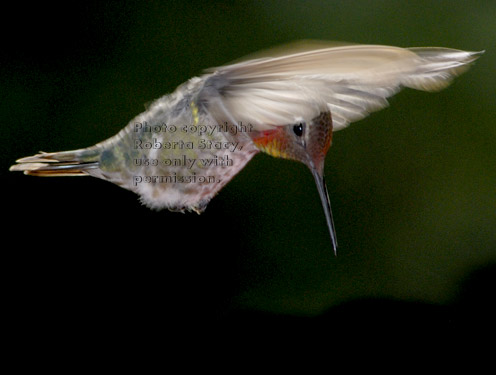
{"x":326,"y":204}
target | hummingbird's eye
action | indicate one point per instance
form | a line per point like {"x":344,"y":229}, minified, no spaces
{"x":298,"y":129}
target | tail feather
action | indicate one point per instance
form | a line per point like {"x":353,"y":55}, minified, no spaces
{"x":56,"y":164}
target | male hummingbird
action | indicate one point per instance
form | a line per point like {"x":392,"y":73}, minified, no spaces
{"x":187,"y":145}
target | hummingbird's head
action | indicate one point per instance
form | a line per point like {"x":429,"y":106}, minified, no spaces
{"x":307,"y":142}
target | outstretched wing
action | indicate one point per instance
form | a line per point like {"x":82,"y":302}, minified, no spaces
{"x":352,"y":81}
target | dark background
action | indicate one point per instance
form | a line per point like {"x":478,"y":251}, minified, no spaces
{"x":413,"y":187}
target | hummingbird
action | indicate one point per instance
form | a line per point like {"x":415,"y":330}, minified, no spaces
{"x":189,"y":144}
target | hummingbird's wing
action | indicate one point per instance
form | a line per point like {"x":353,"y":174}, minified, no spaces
{"x":352,"y":81}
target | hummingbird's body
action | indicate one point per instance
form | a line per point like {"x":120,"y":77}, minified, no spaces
{"x":187,"y":145}
{"x":174,"y":155}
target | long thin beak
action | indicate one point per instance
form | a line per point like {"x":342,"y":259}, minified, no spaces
{"x":326,"y":204}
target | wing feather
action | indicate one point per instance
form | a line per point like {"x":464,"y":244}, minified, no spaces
{"x":352,"y":81}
